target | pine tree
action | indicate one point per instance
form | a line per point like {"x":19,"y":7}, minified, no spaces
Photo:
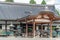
{"x":9,"y":1}
{"x":32,"y":2}
{"x":57,"y":11}
{"x":43,"y":2}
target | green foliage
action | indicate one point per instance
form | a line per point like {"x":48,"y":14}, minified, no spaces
{"x":29,"y":29}
{"x":43,"y":2}
{"x":53,"y":27}
{"x":57,"y":11}
{"x":32,"y":2}
{"x":9,"y":1}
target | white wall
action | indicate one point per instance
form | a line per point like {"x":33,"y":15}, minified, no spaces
{"x":3,"y":27}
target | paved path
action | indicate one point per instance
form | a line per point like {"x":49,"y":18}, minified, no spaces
{"x":19,"y":38}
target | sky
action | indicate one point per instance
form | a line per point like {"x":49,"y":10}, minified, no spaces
{"x":38,"y":2}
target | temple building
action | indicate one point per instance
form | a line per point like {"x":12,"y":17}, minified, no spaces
{"x":28,"y":20}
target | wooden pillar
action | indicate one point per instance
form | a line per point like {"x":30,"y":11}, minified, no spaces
{"x":6,"y":27}
{"x":41,"y":30}
{"x":41,"y":27}
{"x":51,"y":29}
{"x":26,"y":29}
{"x":33,"y":28}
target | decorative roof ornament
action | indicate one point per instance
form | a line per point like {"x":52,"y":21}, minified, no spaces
{"x":46,"y":8}
{"x":28,"y":12}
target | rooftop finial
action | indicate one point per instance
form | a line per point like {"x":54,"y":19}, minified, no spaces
{"x":46,"y":8}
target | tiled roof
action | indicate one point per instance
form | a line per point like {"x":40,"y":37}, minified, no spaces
{"x":19,"y":10}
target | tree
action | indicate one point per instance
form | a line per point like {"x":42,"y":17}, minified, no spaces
{"x":57,"y":11}
{"x":32,"y":2}
{"x":9,"y":1}
{"x":43,"y":2}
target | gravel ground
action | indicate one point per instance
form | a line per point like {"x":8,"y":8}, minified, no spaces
{"x":19,"y":38}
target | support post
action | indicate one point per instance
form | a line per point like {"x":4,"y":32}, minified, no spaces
{"x":51,"y":29}
{"x":6,"y":27}
{"x":41,"y":27}
{"x":33,"y":28}
{"x":26,"y":29}
{"x":41,"y":30}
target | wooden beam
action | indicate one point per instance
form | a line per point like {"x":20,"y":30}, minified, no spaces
{"x":42,"y":22}
{"x":8,"y":20}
